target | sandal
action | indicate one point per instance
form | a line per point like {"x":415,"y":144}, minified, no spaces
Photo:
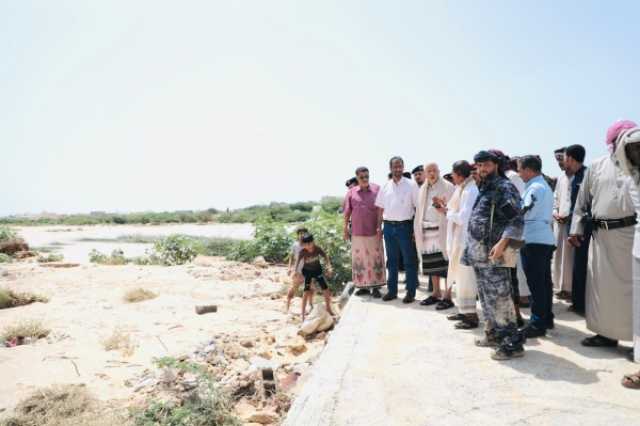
{"x":456,"y":317}
{"x":430,"y":301}
{"x":631,"y":381}
{"x":444,"y":304}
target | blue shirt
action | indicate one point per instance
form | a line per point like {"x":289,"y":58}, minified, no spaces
{"x":538,"y":208}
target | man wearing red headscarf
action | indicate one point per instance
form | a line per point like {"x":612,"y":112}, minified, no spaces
{"x":605,"y":200}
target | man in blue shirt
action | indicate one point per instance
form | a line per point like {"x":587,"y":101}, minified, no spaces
{"x":539,"y":244}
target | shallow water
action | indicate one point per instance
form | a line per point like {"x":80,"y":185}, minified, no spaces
{"x":66,"y":240}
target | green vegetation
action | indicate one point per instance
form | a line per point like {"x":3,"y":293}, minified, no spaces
{"x":51,"y":257}
{"x":7,"y":234}
{"x":272,"y":241}
{"x":116,"y":258}
{"x":5,"y":258}
{"x":278,"y":212}
{"x":208,"y":405}
{"x":176,"y":250}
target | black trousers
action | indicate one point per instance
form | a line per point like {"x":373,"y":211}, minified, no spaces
{"x":536,"y":261}
{"x":515,"y":286}
{"x":579,"y":283}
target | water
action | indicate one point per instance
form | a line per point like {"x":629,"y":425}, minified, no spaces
{"x":67,"y":240}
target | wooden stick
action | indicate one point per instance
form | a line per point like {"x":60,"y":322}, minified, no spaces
{"x":205,"y":309}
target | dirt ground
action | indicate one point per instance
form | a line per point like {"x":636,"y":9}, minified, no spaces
{"x":86,"y":306}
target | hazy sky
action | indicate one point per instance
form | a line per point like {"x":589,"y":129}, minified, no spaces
{"x":133,"y":105}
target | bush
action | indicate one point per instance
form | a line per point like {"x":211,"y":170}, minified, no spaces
{"x":10,"y":299}
{"x":208,"y":405}
{"x":116,"y":258}
{"x":25,"y":328}
{"x":7,"y":234}
{"x":177,"y":249}
{"x":272,"y":241}
{"x":119,"y":340}
{"x":218,"y":246}
{"x":5,"y":258}
{"x":51,"y":257}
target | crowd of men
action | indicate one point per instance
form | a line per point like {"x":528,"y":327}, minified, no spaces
{"x":500,"y":232}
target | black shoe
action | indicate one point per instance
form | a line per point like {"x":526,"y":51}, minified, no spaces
{"x":387,"y":297}
{"x":408,"y":299}
{"x":456,"y":317}
{"x":430,"y":301}
{"x":599,"y":341}
{"x":362,"y":292}
{"x":520,"y":322}
{"x":551,"y":325}
{"x":531,"y":331}
{"x":467,"y":324}
{"x":376,"y":293}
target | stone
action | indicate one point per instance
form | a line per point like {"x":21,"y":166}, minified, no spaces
{"x":264,"y":417}
{"x":298,"y":349}
{"x":260,"y":262}
{"x":247,"y":343}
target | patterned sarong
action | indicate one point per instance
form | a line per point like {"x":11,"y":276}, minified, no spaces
{"x":368,"y":262}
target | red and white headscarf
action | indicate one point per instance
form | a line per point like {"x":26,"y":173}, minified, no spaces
{"x":614,"y":131}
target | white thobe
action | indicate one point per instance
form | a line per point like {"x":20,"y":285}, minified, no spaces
{"x":606,"y":190}
{"x":563,"y":256}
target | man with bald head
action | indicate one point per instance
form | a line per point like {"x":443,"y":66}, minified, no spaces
{"x":430,"y":229}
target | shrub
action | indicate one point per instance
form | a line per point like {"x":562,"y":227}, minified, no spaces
{"x":10,"y":299}
{"x":7,"y":234}
{"x":139,"y":295}
{"x":208,"y":405}
{"x":25,"y":328}
{"x":51,"y":257}
{"x":5,"y":258}
{"x":272,"y":241}
{"x":119,"y":340}
{"x":177,"y":249}
{"x":218,"y":246}
{"x":116,"y":258}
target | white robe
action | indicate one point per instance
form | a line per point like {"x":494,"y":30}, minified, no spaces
{"x":633,"y":136}
{"x":442,"y":189}
{"x":563,"y":255}
{"x":609,"y":280}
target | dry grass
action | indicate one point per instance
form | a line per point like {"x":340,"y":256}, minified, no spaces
{"x":67,"y":405}
{"x":121,"y":341}
{"x":10,"y":299}
{"x":25,"y":328}
{"x":139,"y":295}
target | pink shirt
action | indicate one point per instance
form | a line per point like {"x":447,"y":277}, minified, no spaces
{"x":362,"y":208}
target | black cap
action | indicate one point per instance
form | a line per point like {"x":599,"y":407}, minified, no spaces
{"x":417,"y":169}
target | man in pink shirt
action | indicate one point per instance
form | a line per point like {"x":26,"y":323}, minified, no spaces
{"x":366,"y":247}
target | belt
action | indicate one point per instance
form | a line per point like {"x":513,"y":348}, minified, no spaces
{"x":397,"y":222}
{"x":609,"y":224}
{"x":431,"y":228}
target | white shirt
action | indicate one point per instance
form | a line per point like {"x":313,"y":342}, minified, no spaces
{"x":516,"y":180}
{"x":398,"y":200}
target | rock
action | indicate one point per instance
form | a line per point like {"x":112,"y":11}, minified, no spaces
{"x":260,"y":262}
{"x":263,"y":417}
{"x":298,"y":349}
{"x":247,"y":343}
{"x":321,"y":336}
{"x":266,"y":354}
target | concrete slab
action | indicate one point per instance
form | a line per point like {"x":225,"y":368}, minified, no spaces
{"x":392,"y":364}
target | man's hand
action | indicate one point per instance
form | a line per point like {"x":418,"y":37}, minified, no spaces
{"x":498,"y":250}
{"x":345,"y":234}
{"x":575,"y":240}
{"x":379,"y":233}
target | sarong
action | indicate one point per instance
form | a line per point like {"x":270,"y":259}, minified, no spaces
{"x":367,"y":257}
{"x":433,"y":260}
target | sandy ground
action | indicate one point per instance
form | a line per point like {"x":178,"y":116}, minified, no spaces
{"x":67,"y":240}
{"x":86,"y":306}
{"x":392,"y":364}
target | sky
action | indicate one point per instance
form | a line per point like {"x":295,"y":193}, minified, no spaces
{"x":158,"y":105}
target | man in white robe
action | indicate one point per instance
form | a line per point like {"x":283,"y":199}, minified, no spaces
{"x":605,"y":193}
{"x":628,"y":157}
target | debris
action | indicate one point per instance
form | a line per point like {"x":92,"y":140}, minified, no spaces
{"x":263,"y":417}
{"x":205,"y":309}
{"x":260,"y":262}
{"x":298,"y":349}
{"x":13,"y":246}
{"x":59,"y":265}
{"x":318,"y":320}
{"x":246,"y":343}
